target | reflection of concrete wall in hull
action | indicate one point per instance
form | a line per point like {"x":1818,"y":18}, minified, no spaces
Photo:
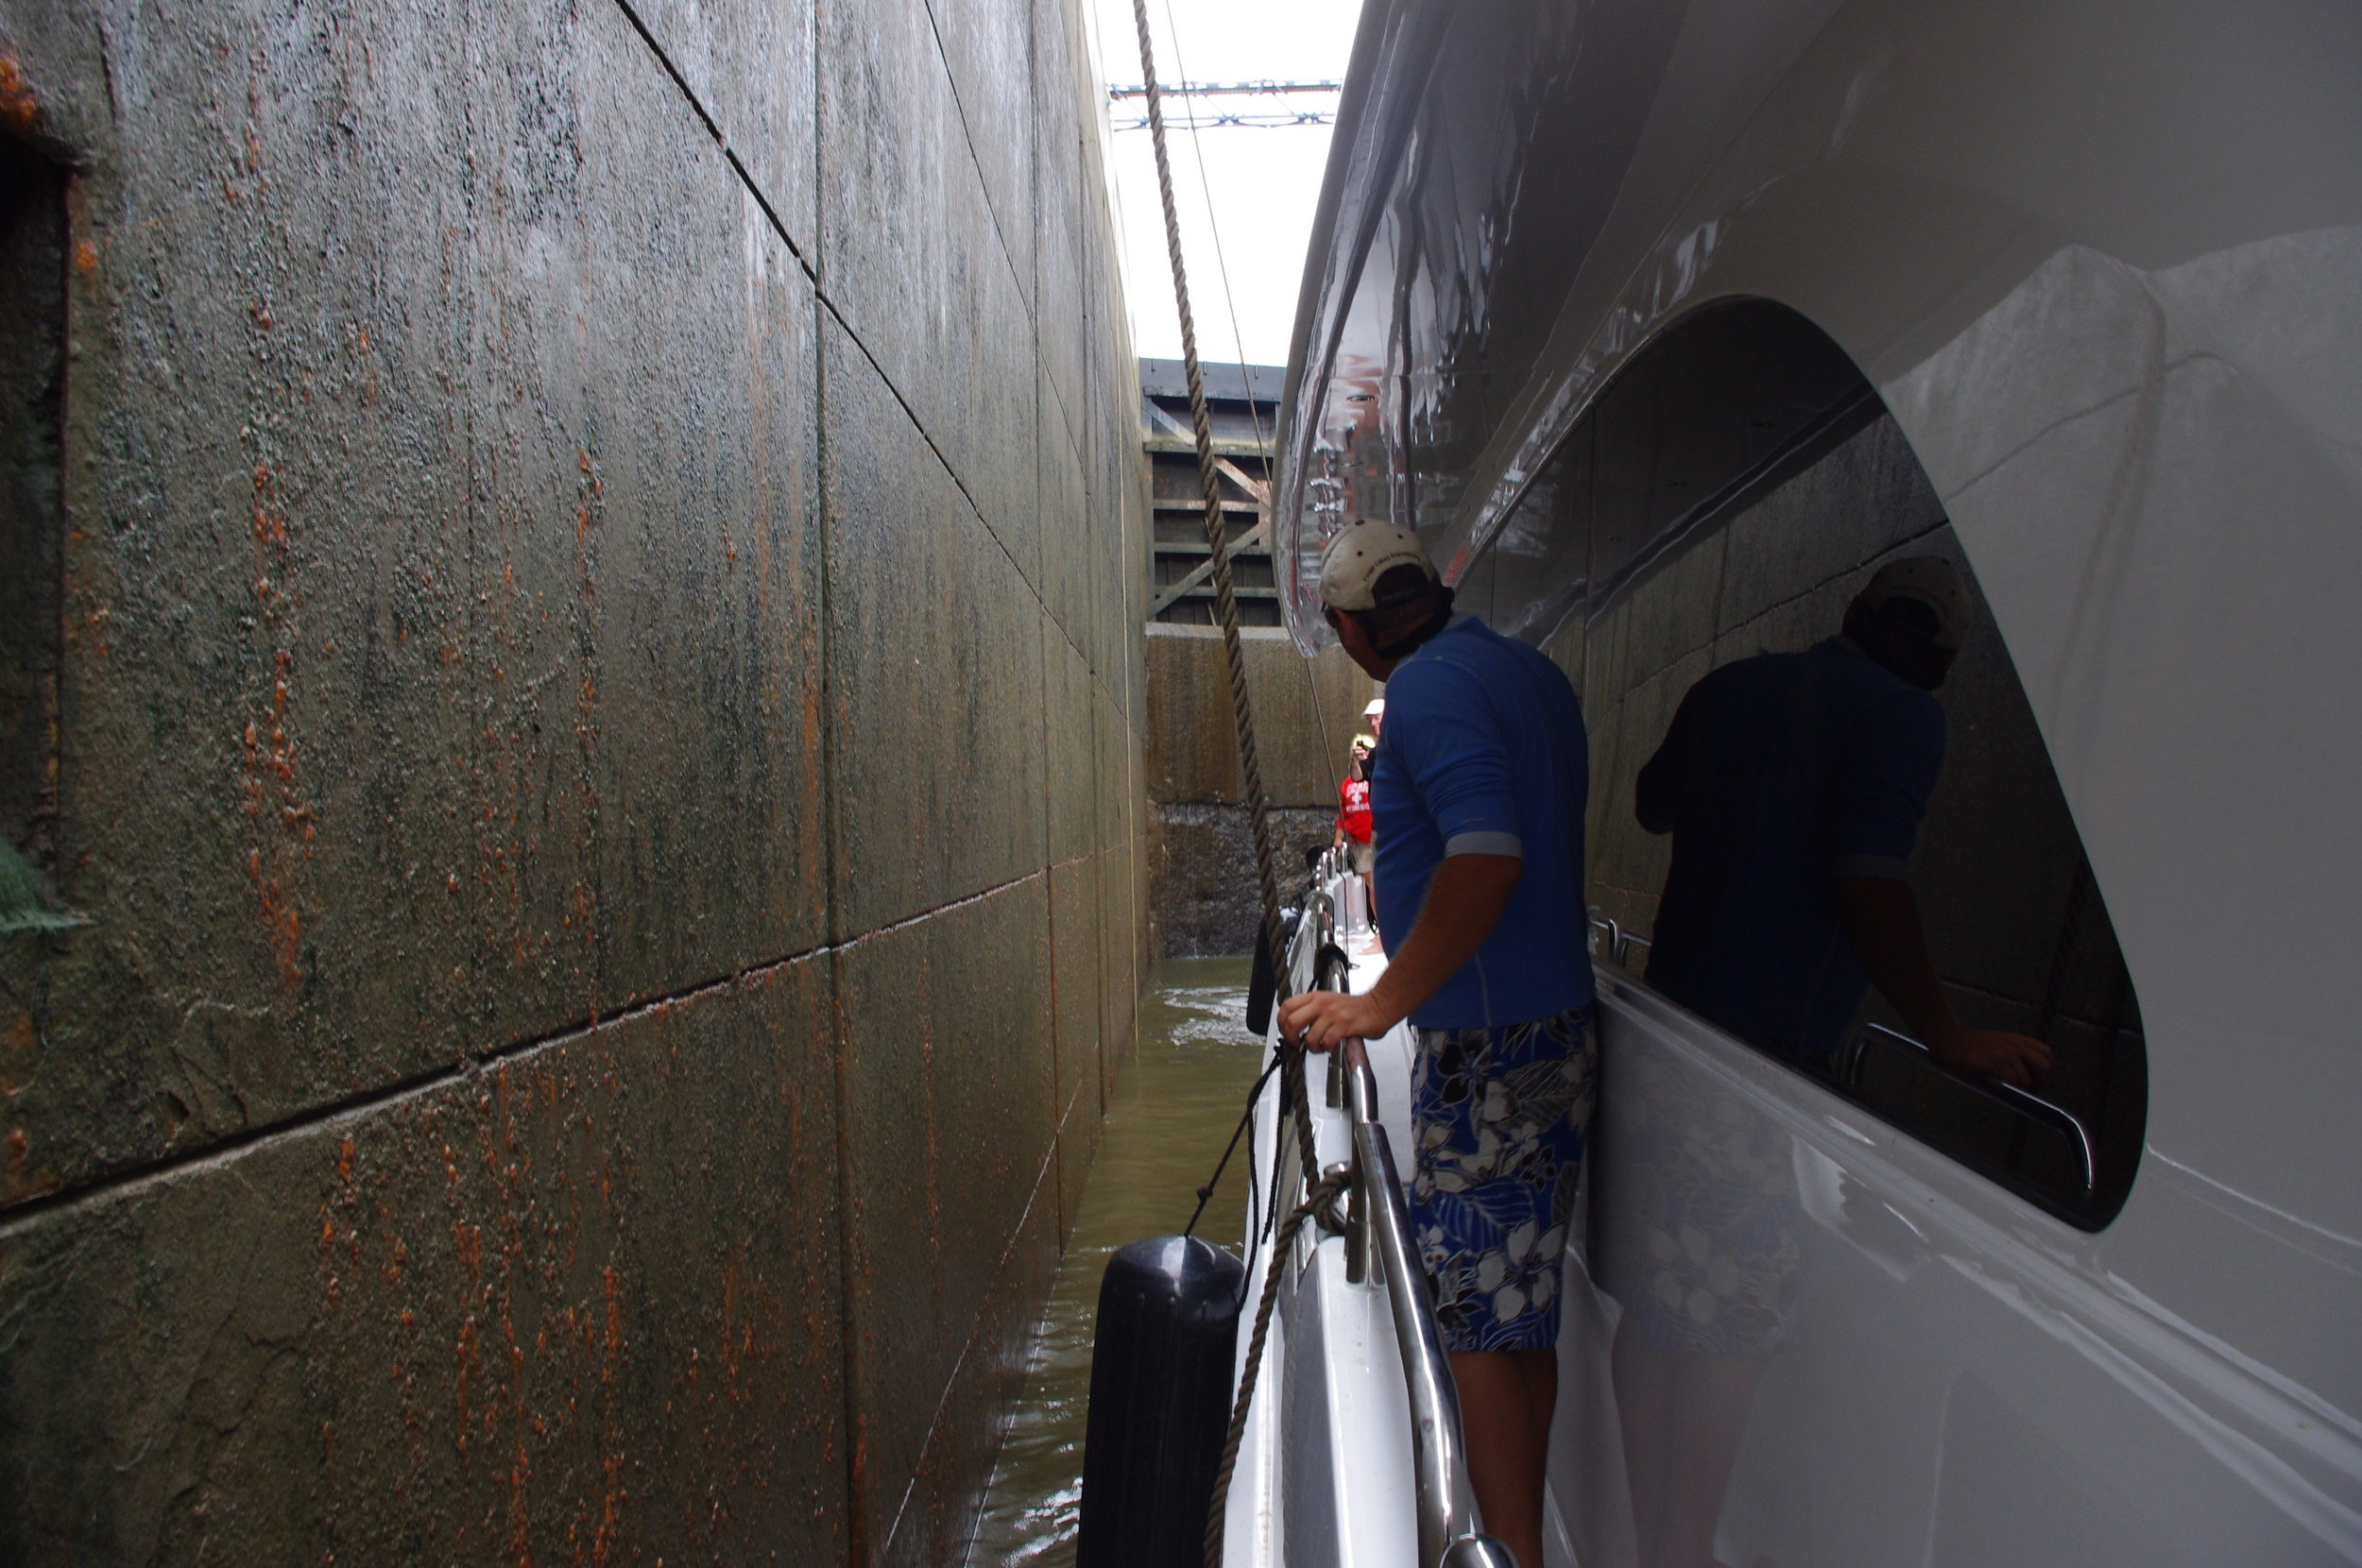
{"x":1202,"y":886}
{"x":599,"y":559}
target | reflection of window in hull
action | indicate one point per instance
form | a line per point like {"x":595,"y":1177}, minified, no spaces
{"x":1729,"y":495}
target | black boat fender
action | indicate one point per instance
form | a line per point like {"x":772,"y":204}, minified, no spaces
{"x":1262,"y":986}
{"x":1161,"y":1364}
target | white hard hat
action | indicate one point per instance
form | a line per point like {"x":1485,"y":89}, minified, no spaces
{"x":1357,"y":557}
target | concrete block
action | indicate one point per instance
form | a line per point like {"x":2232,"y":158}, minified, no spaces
{"x":1075,"y":976}
{"x":1064,"y":506}
{"x":358,"y":778}
{"x":1118,"y":982}
{"x":1202,"y":879}
{"x":647,"y":613}
{"x":451,"y":657}
{"x":996,"y":1081}
{"x":195,"y":854}
{"x":1061,"y":197}
{"x":938,"y":1520}
{"x":583,"y":1300}
{"x":936,"y":679}
{"x":915,"y":266}
{"x":749,"y":66}
{"x":1071,"y":781}
{"x":1078,"y":1148}
{"x":1305,"y":716}
{"x":894,"y":1219}
{"x":988,"y":48}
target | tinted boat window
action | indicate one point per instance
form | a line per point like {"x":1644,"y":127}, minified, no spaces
{"x":2016,"y":927}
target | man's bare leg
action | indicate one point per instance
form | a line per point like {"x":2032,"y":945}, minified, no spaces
{"x":1506,"y":1398}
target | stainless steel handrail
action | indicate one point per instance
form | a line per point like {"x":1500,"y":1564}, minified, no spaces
{"x":2032,"y":1107}
{"x":1379,"y":1230}
{"x":1619,"y":941}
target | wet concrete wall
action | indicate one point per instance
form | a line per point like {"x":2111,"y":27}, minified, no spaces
{"x":1202,"y":897}
{"x":584,"y":567}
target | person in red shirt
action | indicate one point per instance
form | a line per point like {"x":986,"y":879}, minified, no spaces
{"x":1353,"y":810}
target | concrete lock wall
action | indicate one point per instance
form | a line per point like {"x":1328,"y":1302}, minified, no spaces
{"x":589,"y":705}
{"x":1203,"y":895}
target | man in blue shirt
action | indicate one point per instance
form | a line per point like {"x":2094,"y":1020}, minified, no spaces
{"x":1793,"y":785}
{"x":1478,"y":791}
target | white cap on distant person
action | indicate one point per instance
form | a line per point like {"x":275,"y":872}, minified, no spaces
{"x":1357,"y":557}
{"x":1927,"y":580}
{"x":1373,"y":708}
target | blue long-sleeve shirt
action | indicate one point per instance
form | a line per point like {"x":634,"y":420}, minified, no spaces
{"x":1483,"y":752}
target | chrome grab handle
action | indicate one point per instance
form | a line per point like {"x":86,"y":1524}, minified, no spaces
{"x":1378,"y":1229}
{"x":1619,"y":941}
{"x":2054,"y":1116}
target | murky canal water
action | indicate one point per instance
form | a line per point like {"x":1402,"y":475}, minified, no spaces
{"x":1175,"y":1105}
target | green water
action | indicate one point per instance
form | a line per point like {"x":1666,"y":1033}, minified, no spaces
{"x":1175,"y":1105}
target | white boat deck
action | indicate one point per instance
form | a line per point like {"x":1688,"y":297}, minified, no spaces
{"x":1325,"y":1470}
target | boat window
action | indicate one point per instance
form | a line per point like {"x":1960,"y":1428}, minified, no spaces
{"x":1719,"y":513}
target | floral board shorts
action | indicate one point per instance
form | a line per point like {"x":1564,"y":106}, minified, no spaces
{"x":1500,"y":1117}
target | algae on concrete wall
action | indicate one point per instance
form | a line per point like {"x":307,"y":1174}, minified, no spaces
{"x":597,"y":697}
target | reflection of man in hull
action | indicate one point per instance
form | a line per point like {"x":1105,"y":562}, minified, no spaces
{"x":1793,"y":785}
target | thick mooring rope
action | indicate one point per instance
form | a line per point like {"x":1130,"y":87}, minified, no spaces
{"x":1251,"y":778}
{"x":1250,"y":766}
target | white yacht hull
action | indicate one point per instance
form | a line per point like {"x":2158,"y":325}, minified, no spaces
{"x":2101,"y":264}
{"x":1962,"y":1381}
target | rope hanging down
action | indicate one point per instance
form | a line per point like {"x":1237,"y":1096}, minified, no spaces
{"x":1226,"y":603}
{"x":1251,"y":778}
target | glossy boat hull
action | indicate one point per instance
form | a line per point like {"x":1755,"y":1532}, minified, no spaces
{"x":2102,"y":265}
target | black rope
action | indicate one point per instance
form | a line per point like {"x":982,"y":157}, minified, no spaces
{"x":1206,"y":1192}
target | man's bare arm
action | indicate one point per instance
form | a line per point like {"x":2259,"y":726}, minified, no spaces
{"x":1464,"y":903}
{"x":1881,"y":923}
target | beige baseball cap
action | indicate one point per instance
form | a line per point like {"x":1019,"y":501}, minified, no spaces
{"x":1357,"y":557}
{"x":1929,"y":580}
